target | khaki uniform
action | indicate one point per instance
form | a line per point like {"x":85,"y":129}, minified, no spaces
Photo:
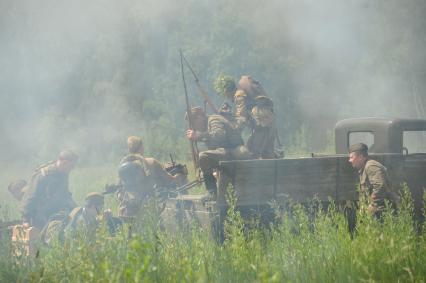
{"x":77,"y":220}
{"x":224,"y":142}
{"x":374,"y":182}
{"x":152,"y":175}
{"x":259,"y":118}
{"x":47,"y":195}
{"x":261,"y":142}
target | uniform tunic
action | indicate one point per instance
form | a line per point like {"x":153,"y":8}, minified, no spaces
{"x":224,"y":142}
{"x":374,"y":182}
{"x":260,"y":120}
{"x":47,"y":195}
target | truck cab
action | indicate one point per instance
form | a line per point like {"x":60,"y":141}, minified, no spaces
{"x":382,"y":135}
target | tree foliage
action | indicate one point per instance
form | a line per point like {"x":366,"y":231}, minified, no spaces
{"x":85,"y":75}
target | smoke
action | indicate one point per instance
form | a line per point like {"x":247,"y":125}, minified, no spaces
{"x":347,"y":59}
{"x":85,"y":74}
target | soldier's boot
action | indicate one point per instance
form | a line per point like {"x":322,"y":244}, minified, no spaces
{"x":211,"y":186}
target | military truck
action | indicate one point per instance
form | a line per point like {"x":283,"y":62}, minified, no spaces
{"x":399,"y":144}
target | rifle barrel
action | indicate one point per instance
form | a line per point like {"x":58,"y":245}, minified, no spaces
{"x":200,"y":87}
{"x":193,"y":145}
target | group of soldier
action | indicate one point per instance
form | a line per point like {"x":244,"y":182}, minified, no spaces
{"x":47,"y":204}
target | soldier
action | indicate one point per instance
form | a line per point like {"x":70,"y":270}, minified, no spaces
{"x":224,"y":142}
{"x":48,"y":192}
{"x":254,"y":110}
{"x":139,"y":176}
{"x":85,"y":219}
{"x":373,"y":178}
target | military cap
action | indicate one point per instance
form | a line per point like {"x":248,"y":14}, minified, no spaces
{"x":360,"y":148}
{"x":134,"y":143}
{"x":240,"y":94}
{"x":68,"y":155}
{"x":264,"y":102}
{"x":196,"y":112}
{"x":94,"y":198}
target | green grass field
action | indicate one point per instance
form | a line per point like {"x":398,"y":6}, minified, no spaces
{"x":298,"y":249}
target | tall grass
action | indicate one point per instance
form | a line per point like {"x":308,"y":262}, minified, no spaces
{"x":299,"y":247}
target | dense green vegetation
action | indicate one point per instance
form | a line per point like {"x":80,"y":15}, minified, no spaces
{"x":299,"y":248}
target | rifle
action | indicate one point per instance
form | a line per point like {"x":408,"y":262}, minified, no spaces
{"x":203,"y":92}
{"x":193,"y":144}
{"x":188,"y":186}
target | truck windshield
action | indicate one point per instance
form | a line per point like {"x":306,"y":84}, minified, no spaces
{"x":362,"y":137}
{"x":414,"y":141}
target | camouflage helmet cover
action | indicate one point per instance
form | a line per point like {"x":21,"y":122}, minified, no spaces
{"x":225,"y":85}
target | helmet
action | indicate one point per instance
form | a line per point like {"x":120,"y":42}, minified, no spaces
{"x":225,"y":85}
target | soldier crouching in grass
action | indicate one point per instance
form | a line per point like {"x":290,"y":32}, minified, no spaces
{"x":223,"y":140}
{"x":373,"y":179}
{"x":84,"y":219}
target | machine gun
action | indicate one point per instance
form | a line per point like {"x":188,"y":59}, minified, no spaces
{"x":174,"y":168}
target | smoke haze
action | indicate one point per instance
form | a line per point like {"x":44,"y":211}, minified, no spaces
{"x":85,"y":74}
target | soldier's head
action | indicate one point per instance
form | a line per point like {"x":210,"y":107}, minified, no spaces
{"x":251,"y":86}
{"x":94,"y":202}
{"x":198,"y":119}
{"x":225,"y":86}
{"x":17,"y":189}
{"x":67,"y":160}
{"x":135,"y":145}
{"x":358,"y":155}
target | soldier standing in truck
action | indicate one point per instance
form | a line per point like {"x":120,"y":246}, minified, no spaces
{"x":253,"y":109}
